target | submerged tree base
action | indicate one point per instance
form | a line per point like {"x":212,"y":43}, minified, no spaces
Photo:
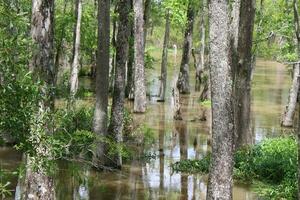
{"x":270,"y":167}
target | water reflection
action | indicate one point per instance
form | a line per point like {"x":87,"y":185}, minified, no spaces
{"x":179,"y":140}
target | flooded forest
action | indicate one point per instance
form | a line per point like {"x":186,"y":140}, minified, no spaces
{"x":149,"y":100}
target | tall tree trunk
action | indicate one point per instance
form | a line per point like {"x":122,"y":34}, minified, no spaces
{"x":117,"y":116}
{"x":164,"y":60}
{"x":129,"y":92}
{"x":59,"y":46}
{"x":200,"y":64}
{"x":242,"y":67}
{"x":140,"y":99}
{"x":113,"y":43}
{"x":76,"y":50}
{"x":183,"y":83}
{"x":39,"y":185}
{"x":221,"y":169}
{"x":287,"y":120}
{"x":292,"y":101}
{"x":102,"y":78}
{"x":147,"y":12}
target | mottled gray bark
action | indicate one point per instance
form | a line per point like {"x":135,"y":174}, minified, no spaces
{"x":164,"y":60}
{"x":221,"y":169}
{"x":183,"y":82}
{"x":102,"y":79}
{"x":140,"y":99}
{"x":292,"y":101}
{"x":242,"y":66}
{"x":38,"y":184}
{"x":117,"y":116}
{"x":76,"y":50}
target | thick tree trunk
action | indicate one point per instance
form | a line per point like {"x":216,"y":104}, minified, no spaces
{"x":164,"y":62}
{"x":102,"y":78}
{"x":76,"y":50}
{"x":242,"y":71}
{"x":39,"y":185}
{"x":183,"y":83}
{"x":117,"y":116}
{"x":221,"y":169}
{"x":140,"y":99}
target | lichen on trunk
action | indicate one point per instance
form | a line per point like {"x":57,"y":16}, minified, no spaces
{"x":220,"y":178}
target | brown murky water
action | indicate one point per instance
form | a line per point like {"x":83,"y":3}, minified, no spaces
{"x":174,"y":141}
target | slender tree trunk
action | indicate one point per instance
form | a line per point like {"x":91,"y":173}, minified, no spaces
{"x":242,"y":67}
{"x":39,"y":185}
{"x":164,"y":62}
{"x":76,"y":50}
{"x":113,"y":43}
{"x":221,"y":169}
{"x":117,"y":116}
{"x":59,"y":46}
{"x":183,"y":83}
{"x":102,"y":78}
{"x":147,"y":13}
{"x":129,"y":92}
{"x":200,"y":64}
{"x":292,"y":102}
{"x":140,"y":99}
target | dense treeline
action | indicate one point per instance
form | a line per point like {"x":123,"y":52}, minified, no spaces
{"x":48,"y":45}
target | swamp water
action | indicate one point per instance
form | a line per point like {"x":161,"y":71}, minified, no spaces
{"x":174,"y":141}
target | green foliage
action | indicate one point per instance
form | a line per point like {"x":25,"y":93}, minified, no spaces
{"x":71,"y":120}
{"x":274,"y":35}
{"x":192,"y":166}
{"x":18,"y":93}
{"x":149,"y":60}
{"x":270,"y":166}
{"x":206,"y":103}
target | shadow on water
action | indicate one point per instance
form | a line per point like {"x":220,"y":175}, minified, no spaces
{"x":175,"y":140}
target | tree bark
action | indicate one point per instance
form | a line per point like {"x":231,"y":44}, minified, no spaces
{"x":140,"y":99}
{"x":287,"y":120}
{"x":183,"y":83}
{"x":292,"y":102}
{"x":242,"y":70}
{"x":221,"y":169}
{"x":76,"y":50}
{"x":59,"y":46}
{"x":117,"y":116}
{"x":164,"y":62}
{"x":102,"y":79}
{"x":39,"y":185}
{"x":129,"y":92}
{"x":200,"y":64}
{"x":147,"y":13}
